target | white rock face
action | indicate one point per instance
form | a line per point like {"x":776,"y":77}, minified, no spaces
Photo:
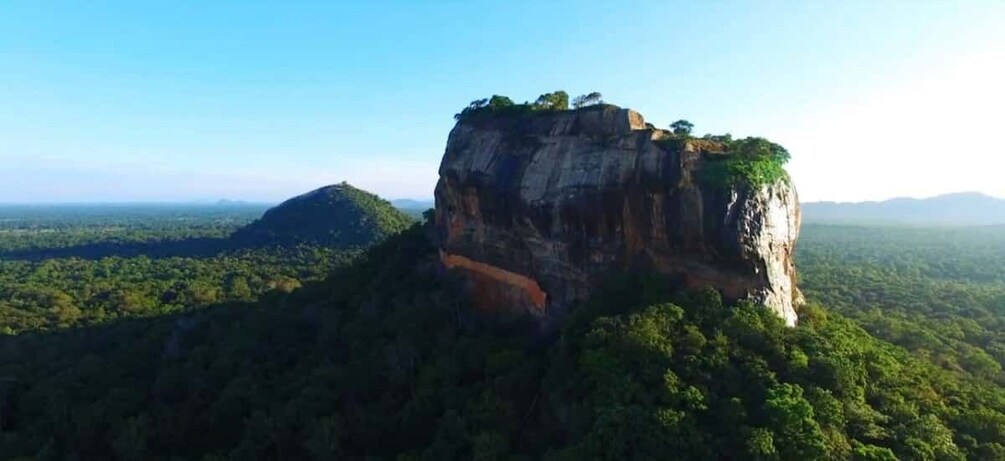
{"x":768,"y":231}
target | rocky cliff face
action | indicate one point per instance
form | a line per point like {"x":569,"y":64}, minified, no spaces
{"x":537,"y":209}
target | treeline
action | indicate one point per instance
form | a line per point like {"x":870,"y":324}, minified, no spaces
{"x":67,"y":267}
{"x":29,"y":228}
{"x":60,"y":293}
{"x":548,"y":102}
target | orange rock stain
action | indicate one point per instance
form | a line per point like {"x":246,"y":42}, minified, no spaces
{"x":487,"y":278}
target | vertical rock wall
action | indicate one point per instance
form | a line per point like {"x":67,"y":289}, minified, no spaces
{"x":537,"y":209}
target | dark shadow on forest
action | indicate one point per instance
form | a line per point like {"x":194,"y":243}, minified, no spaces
{"x":136,"y":344}
{"x":197,"y":247}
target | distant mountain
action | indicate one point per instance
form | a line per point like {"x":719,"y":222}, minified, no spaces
{"x":413,"y":204}
{"x":236,"y":203}
{"x":968,"y":208}
{"x":408,"y":204}
{"x":412,"y":207}
{"x":340,"y":216}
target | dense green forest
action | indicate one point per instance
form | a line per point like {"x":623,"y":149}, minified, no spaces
{"x":897,"y":355}
{"x":63,"y":266}
{"x":937,"y":292}
{"x":34,"y":231}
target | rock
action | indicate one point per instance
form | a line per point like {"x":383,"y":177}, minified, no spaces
{"x":537,"y":209}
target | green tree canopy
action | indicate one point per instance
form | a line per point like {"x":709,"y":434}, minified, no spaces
{"x":587,"y":100}
{"x":499,"y":102}
{"x":558,"y":100}
{"x":682,"y":127}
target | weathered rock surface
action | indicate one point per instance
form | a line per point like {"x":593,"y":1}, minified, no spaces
{"x":537,"y":209}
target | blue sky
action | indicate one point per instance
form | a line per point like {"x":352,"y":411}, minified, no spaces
{"x":186,"y":100}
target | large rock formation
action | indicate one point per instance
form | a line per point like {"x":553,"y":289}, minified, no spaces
{"x":536,"y":209}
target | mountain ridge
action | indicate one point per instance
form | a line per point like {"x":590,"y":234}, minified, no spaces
{"x":959,"y":208}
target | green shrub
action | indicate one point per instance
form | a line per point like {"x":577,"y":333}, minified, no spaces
{"x":752,"y":161}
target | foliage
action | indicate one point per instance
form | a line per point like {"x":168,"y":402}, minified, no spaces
{"x":557,"y":100}
{"x":937,"y":292}
{"x":502,"y":105}
{"x":682,"y":127}
{"x":752,"y":161}
{"x":722,"y":139}
{"x":383,"y":360}
{"x":585,"y":100}
{"x":40,"y":230}
{"x":497,"y":102}
{"x":64,"y":267}
{"x":496,"y":105}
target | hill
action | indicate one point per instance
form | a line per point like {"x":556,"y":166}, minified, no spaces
{"x":339,"y":216}
{"x":967,"y":208}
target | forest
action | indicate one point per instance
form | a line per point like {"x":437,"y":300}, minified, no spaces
{"x":65,"y":266}
{"x":313,"y":353}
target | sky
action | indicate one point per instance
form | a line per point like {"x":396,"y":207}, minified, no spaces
{"x":251,"y":100}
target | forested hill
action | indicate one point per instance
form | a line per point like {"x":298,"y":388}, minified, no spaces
{"x":339,"y":216}
{"x":953,"y":209}
{"x":64,"y":266}
{"x":383,"y":360}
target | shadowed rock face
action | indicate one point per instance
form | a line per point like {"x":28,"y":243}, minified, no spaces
{"x":538,"y":209}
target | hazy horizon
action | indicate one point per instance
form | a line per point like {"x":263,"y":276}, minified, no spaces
{"x":256,"y":101}
{"x":241,"y":202}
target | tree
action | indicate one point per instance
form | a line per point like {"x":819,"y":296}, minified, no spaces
{"x":133,"y":439}
{"x":472,"y":107}
{"x":558,"y":100}
{"x":682,"y":127}
{"x":865,"y":452}
{"x":760,"y":444}
{"x":429,"y":215}
{"x":723,"y":138}
{"x":127,"y":302}
{"x":587,"y":100}
{"x":799,"y":435}
{"x":284,"y":284}
{"x":499,"y":102}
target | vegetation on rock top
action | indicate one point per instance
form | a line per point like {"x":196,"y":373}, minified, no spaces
{"x":752,"y":161}
{"x":549,"y":102}
{"x":728,"y":162}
